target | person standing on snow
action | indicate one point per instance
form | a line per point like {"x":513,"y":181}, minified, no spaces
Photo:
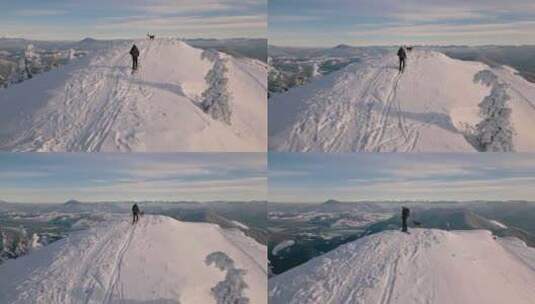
{"x":135,"y":213}
{"x":405,"y":212}
{"x":134,"y":51}
{"x":402,"y":54}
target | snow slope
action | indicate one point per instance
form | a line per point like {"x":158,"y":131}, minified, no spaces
{"x":425,"y":266}
{"x":95,"y":104}
{"x":433,"y":106}
{"x":158,"y":260}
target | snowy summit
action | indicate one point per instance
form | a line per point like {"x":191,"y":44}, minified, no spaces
{"x":157,"y":260}
{"x":437,"y":104}
{"x":425,"y":266}
{"x":181,"y":99}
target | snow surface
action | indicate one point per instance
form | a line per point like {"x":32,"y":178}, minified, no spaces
{"x":282,"y":245}
{"x":158,"y":260}
{"x":96,"y":104}
{"x":437,"y":104}
{"x":425,"y":266}
{"x":499,"y":224}
{"x":520,"y":250}
{"x":240,"y":225}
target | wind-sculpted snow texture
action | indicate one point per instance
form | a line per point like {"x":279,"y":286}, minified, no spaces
{"x":157,"y":260}
{"x":425,"y":266}
{"x":97,"y":104}
{"x":435,"y":105}
{"x":230,"y":290}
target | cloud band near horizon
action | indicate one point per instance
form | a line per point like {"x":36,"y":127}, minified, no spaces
{"x":316,"y":177}
{"x":129,"y":19}
{"x":385,"y":22}
{"x":58,"y":177}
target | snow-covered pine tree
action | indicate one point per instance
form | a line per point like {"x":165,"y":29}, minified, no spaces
{"x":3,"y":81}
{"x":211,"y":55}
{"x":19,"y":73}
{"x":28,"y":64}
{"x":27,"y":72}
{"x":33,"y":61}
{"x":32,"y":56}
{"x":72,"y":54}
{"x":495,"y":132}
{"x":19,"y":245}
{"x":216,"y":99}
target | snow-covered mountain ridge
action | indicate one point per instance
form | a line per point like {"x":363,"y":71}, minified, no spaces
{"x":158,"y":260}
{"x":96,"y":104}
{"x":425,"y":266}
{"x":437,"y":104}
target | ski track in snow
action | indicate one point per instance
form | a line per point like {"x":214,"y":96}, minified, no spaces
{"x":377,"y":118}
{"x":88,"y":285}
{"x":97,"y":257}
{"x":116,"y":272}
{"x":91,"y":105}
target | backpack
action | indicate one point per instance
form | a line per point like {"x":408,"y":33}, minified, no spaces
{"x":134,"y":51}
{"x":401,"y":53}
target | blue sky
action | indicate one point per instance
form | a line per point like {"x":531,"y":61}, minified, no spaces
{"x":58,"y":177}
{"x":395,"y":22}
{"x":313,"y":177}
{"x":77,"y":19}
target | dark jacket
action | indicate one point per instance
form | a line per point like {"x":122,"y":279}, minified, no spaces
{"x":402,"y":53}
{"x":134,"y":51}
{"x":135,"y":209}
{"x":405,"y":212}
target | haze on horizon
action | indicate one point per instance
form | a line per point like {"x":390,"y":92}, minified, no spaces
{"x":317,"y":23}
{"x":317,"y":177}
{"x":130,"y":19}
{"x":95,"y":177}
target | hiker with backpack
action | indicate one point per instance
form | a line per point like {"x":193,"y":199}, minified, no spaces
{"x":405,"y":212}
{"x":402,"y":55}
{"x":134,"y":51}
{"x":135,"y":213}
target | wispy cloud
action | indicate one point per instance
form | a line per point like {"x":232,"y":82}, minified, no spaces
{"x":427,"y":170}
{"x":196,"y":6}
{"x":39,"y":12}
{"x":184,"y":7}
{"x":181,"y":23}
{"x":292,"y":18}
{"x":10,"y":175}
{"x":441,"y":14}
{"x":520,"y":27}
